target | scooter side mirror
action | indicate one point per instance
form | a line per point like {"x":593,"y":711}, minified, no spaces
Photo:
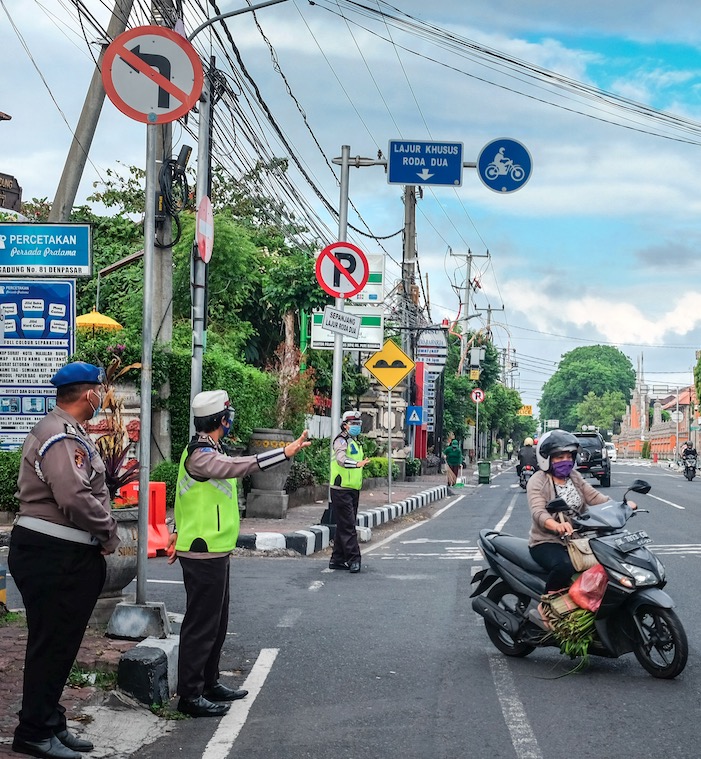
{"x":557,"y":506}
{"x":640,"y":486}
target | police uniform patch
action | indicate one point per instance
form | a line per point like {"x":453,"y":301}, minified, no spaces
{"x":79,"y":458}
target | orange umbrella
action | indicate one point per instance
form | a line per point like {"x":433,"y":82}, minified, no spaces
{"x":96,"y":320}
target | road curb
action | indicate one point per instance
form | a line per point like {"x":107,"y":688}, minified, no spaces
{"x":317,"y":537}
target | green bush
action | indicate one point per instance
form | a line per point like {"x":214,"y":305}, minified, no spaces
{"x":253,"y":394}
{"x":413,"y":467}
{"x":317,"y":458}
{"x":300,"y":476}
{"x":645,"y":453}
{"x":378,"y":467}
{"x":9,"y":470}
{"x":167,"y":471}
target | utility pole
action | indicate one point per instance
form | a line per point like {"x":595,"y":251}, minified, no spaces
{"x":408,"y":280}
{"x":163,"y":12}
{"x":468,"y":287}
{"x":87,"y":123}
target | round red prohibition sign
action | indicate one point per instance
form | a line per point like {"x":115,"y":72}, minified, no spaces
{"x":152,"y":74}
{"x":205,"y":229}
{"x":342,"y":269}
{"x":477,"y":395}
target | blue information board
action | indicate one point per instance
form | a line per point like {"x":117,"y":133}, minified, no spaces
{"x":45,"y":250}
{"x":504,"y":165}
{"x":420,"y":162}
{"x":37,"y":320}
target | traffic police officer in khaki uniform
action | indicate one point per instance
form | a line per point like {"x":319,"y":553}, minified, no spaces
{"x":63,"y":530}
{"x":207,"y":524}
{"x":347,"y":465}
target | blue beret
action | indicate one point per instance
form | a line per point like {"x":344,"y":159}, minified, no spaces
{"x":78,"y":372}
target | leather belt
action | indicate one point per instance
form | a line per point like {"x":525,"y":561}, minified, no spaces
{"x":56,"y":530}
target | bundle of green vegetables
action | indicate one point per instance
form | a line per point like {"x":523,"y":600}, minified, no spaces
{"x":574,"y":632}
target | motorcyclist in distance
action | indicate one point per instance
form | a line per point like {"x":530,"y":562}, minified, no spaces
{"x":688,"y":450}
{"x":526,"y":456}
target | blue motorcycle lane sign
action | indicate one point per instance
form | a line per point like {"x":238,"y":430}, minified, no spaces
{"x":504,"y":165}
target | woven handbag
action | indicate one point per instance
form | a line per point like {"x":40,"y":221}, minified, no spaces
{"x":580,"y":552}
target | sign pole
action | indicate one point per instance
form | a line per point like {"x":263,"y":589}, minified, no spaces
{"x":477,"y":430}
{"x":199,"y":267}
{"x":146,"y":364}
{"x":389,"y":445}
{"x":337,"y":381}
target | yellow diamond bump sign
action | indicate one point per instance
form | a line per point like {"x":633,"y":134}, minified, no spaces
{"x":390,"y":365}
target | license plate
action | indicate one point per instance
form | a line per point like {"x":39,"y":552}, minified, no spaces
{"x":631,"y":542}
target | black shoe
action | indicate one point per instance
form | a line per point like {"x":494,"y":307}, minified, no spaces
{"x":220,"y":692}
{"x":74,"y":742}
{"x":354,"y":567}
{"x":202,"y":707}
{"x":49,"y":747}
{"x":338,"y":565}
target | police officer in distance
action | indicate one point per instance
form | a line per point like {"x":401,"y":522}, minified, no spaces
{"x":207,"y":524}
{"x":347,"y":464}
{"x":63,"y":530}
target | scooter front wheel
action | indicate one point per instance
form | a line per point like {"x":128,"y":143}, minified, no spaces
{"x":505,"y":597}
{"x":661,"y":646}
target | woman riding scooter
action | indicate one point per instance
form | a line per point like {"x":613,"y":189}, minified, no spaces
{"x":556,"y":452}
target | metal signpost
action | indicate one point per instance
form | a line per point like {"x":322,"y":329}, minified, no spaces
{"x":153,"y":75}
{"x":389,"y":367}
{"x":477,"y":396}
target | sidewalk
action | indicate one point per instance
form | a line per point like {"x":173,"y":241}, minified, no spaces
{"x":99,"y":653}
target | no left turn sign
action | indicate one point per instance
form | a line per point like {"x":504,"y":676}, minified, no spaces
{"x":342,"y":269}
{"x":152,"y":74}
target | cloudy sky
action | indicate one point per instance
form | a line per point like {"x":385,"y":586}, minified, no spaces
{"x":600,"y":246}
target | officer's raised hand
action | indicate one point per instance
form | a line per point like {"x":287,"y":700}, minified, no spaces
{"x":292,"y":449}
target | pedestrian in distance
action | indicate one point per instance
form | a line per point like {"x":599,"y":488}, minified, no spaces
{"x":509,"y":449}
{"x":454,"y":460}
{"x":347,"y":462}
{"x":207,"y":526}
{"x":62,"y":533}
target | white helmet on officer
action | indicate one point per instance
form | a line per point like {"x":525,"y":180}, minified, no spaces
{"x":351,"y":422}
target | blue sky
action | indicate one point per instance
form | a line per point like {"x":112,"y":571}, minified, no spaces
{"x":602,"y":243}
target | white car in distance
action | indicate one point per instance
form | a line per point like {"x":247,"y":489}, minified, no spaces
{"x":611,"y":448}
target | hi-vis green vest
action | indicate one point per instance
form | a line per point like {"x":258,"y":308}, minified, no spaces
{"x":348,"y":478}
{"x":206,"y":513}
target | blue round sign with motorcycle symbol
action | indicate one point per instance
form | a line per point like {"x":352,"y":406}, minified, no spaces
{"x":504,"y":165}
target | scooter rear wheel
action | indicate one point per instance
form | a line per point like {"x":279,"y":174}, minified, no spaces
{"x":662,"y":648}
{"x":503,"y":595}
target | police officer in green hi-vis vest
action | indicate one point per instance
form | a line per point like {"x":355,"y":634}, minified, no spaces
{"x":347,"y":464}
{"x":207,"y":526}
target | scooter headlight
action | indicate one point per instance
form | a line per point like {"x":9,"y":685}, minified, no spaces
{"x":641,"y":577}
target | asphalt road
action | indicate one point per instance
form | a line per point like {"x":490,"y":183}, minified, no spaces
{"x":394,"y":664}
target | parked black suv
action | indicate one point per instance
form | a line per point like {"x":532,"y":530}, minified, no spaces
{"x":593,"y":458}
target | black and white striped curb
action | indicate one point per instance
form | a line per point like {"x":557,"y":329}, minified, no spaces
{"x":317,"y":538}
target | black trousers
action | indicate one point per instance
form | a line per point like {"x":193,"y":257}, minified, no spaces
{"x":344,"y":502}
{"x":59,"y":582}
{"x":554,"y":558}
{"x":203,"y":630}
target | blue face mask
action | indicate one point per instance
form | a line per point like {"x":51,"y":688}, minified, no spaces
{"x":354,"y":430}
{"x":226,"y":426}
{"x":95,"y":411}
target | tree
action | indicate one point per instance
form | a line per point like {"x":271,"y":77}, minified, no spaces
{"x":594,"y":369}
{"x":601,"y":411}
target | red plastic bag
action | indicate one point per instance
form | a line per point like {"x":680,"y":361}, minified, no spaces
{"x":589,"y":588}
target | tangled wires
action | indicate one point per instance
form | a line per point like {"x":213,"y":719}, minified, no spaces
{"x":174,"y":191}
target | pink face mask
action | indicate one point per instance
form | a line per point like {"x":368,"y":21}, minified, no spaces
{"x":562,"y":469}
